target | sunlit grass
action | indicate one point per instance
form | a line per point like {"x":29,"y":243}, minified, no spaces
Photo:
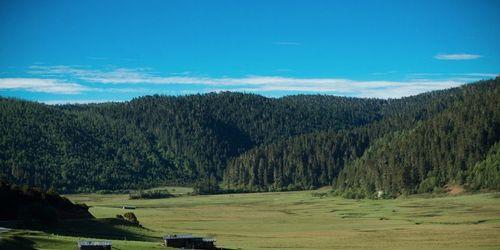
{"x":299,"y":220}
{"x":288,"y":220}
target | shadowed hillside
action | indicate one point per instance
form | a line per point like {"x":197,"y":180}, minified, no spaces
{"x":31,"y":206}
{"x":248,"y":142}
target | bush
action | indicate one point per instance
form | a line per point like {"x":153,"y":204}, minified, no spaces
{"x":354,"y":194}
{"x":427,"y":185}
{"x":107,"y":191}
{"x":131,"y":218}
{"x":154,"y":194}
{"x":485,"y":175}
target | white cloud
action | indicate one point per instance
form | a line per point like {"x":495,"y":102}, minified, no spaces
{"x":411,"y":75}
{"x":83,"y":101}
{"x":484,"y":75}
{"x":457,"y":56}
{"x":371,"y":89}
{"x":41,"y":85}
{"x":465,"y":77}
{"x":122,"y":78}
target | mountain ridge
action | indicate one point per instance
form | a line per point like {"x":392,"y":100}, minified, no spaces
{"x":204,"y":139}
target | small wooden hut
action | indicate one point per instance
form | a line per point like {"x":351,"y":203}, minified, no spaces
{"x":94,"y":245}
{"x":189,"y":241}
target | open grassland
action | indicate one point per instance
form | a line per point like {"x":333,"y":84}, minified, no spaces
{"x":300,"y":220}
{"x":292,"y":220}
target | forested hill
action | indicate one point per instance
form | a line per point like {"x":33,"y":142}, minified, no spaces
{"x":157,"y":140}
{"x":31,"y":206}
{"x":252,"y":143}
{"x":421,"y":144}
{"x":445,"y":149}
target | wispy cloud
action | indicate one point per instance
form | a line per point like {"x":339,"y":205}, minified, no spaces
{"x":457,"y":56}
{"x":411,"y":75}
{"x":82,"y":101}
{"x":287,"y":43}
{"x":146,"y":81}
{"x":484,"y":75}
{"x":466,"y":76}
{"x":41,"y":85}
{"x":377,"y":89}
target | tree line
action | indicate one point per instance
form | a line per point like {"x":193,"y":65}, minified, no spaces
{"x":157,"y":140}
{"x":421,"y":144}
{"x":245,"y":142}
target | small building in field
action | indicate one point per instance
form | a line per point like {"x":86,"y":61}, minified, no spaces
{"x":94,"y":245}
{"x":189,"y":241}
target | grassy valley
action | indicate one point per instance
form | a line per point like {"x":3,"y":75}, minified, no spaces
{"x":286,"y":220}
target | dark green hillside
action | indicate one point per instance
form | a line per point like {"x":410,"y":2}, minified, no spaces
{"x":254,"y":143}
{"x":47,"y":146}
{"x":30,"y":205}
{"x":209,"y":129}
{"x":156,"y":140}
{"x":436,"y":152}
{"x":316,"y":159}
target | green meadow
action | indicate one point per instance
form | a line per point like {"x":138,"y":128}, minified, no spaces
{"x":285,"y":220}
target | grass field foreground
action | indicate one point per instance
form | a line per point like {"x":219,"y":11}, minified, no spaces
{"x":301,"y":220}
{"x":286,"y":220}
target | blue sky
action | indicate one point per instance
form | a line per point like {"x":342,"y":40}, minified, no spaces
{"x":94,"y":51}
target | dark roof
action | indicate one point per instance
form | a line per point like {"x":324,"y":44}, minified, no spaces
{"x":187,"y":236}
{"x":179,"y":236}
{"x":94,"y":243}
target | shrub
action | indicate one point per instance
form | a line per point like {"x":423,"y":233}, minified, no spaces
{"x":354,"y":193}
{"x":427,"y":185}
{"x":132,"y":218}
{"x":153,"y":194}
